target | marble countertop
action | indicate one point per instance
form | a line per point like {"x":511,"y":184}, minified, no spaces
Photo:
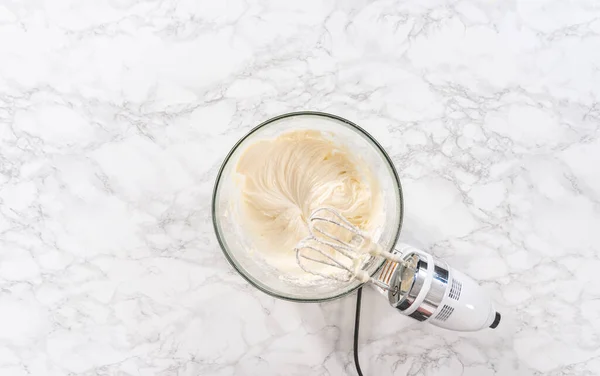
{"x":115,"y":116}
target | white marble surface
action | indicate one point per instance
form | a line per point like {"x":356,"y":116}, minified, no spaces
{"x":116,"y":114}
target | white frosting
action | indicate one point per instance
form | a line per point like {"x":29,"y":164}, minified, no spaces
{"x":284,"y":179}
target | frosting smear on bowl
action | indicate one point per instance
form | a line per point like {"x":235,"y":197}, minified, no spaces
{"x":282,"y":180}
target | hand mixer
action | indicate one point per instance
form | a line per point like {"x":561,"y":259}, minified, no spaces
{"x":417,"y":284}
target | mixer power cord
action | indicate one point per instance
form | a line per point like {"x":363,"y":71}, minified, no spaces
{"x":356,"y":328}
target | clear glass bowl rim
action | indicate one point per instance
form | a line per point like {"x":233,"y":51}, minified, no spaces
{"x":221,"y":241}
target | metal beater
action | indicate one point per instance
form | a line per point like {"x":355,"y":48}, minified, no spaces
{"x":336,"y":242}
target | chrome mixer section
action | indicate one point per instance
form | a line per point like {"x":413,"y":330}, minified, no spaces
{"x":385,"y":277}
{"x":388,"y":276}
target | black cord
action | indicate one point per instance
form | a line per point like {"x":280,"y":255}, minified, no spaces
{"x":356,"y":327}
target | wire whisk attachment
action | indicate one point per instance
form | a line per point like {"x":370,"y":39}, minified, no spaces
{"x":334,"y":241}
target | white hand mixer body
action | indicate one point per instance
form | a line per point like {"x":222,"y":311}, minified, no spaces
{"x":416,"y":283}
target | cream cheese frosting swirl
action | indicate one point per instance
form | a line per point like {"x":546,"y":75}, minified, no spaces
{"x":284,"y":179}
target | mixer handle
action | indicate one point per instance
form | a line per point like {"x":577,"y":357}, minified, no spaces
{"x":428,"y":289}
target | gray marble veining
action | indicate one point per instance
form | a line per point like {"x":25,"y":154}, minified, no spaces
{"x":116,"y":114}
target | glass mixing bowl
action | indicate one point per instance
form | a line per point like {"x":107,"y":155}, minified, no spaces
{"x":237,"y":245}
